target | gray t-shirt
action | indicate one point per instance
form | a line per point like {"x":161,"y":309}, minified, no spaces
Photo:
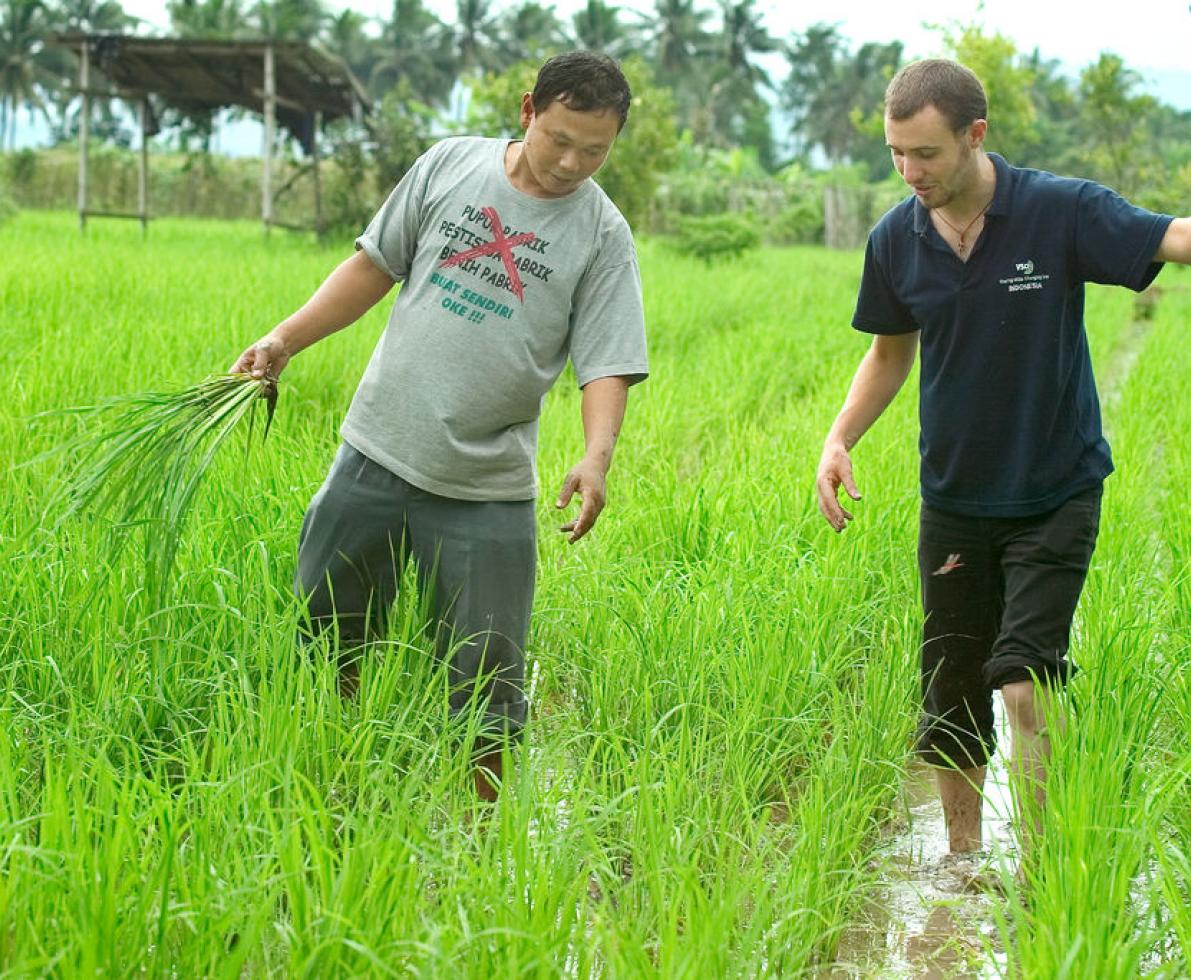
{"x":499,"y":288}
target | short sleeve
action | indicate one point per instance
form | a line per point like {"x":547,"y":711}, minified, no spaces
{"x":391,"y":237}
{"x":878,"y":310}
{"x":1115,"y":241}
{"x":608,"y":317}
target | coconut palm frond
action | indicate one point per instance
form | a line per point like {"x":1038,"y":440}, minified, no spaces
{"x":140,"y":459}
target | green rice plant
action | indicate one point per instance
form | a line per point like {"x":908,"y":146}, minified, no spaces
{"x":724,"y":690}
{"x":1106,"y":894}
{"x":139,"y":460}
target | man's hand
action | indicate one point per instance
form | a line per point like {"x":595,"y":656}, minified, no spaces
{"x":587,"y":478}
{"x":266,"y":358}
{"x":835,"y":469}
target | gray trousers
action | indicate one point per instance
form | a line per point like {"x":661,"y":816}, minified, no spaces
{"x":475,"y":562}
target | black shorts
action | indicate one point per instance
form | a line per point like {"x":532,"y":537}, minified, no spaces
{"x":999,"y":595}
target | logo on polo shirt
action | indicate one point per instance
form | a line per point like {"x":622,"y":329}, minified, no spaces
{"x":1025,"y":278}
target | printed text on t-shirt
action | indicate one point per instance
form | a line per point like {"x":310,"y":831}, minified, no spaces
{"x":492,"y":260}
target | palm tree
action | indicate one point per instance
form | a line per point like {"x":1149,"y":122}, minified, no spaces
{"x":477,"y":36}
{"x":90,"y":16}
{"x":734,"y":112}
{"x":23,"y":76}
{"x":346,"y":36}
{"x":290,"y":20}
{"x":680,"y":40}
{"x":81,"y":17}
{"x":530,"y":30}
{"x":415,"y":46}
{"x":220,"y":19}
{"x":828,"y":89}
{"x":206,"y":18}
{"x":680,"y":48}
{"x":598,"y":27}
{"x":1114,"y":121}
{"x":741,"y":37}
{"x":1058,"y":117}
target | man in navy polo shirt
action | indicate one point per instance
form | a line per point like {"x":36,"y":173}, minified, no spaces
{"x":985,"y":264}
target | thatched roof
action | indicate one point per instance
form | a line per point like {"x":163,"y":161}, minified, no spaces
{"x":192,"y":73}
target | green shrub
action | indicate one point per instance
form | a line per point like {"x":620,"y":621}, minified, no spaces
{"x":349,"y":195}
{"x":7,"y":208}
{"x":717,"y":236}
{"x":20,"y":168}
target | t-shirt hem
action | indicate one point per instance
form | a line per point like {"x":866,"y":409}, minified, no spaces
{"x":635,"y":372}
{"x":412,"y":476}
{"x":369,"y":248}
{"x":872,"y":326}
{"x":1147,"y":267}
{"x":1012,"y":508}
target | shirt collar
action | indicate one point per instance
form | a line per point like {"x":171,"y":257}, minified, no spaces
{"x":1000,"y":201}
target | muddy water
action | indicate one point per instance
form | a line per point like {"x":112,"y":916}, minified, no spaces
{"x":927,"y":920}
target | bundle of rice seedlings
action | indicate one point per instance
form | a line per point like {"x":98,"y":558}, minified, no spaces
{"x":140,"y":459}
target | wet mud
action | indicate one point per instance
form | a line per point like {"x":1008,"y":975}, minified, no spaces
{"x":933,"y":914}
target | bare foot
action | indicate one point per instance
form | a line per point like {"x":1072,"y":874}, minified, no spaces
{"x":488,"y":773}
{"x":972,"y":872}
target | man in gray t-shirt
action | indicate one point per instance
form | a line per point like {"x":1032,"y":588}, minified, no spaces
{"x":512,"y":261}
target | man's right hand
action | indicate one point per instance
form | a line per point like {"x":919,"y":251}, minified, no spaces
{"x":266,"y":358}
{"x":835,"y":470}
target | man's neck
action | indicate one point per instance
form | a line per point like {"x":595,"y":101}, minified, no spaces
{"x":514,"y":168}
{"x":978,"y":195}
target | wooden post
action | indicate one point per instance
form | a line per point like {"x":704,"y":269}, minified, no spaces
{"x":84,"y":127}
{"x":845,"y":216}
{"x":143,"y":171}
{"x":270,"y":108}
{"x":318,"y":193}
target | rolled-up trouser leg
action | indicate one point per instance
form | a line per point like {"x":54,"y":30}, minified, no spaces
{"x":1045,"y":562}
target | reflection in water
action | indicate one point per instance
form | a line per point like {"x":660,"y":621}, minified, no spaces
{"x":933,"y":915}
{"x":943,"y":948}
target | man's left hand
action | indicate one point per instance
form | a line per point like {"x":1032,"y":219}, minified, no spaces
{"x":586,"y":479}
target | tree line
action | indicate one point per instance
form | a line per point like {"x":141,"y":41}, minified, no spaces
{"x":717,"y":62}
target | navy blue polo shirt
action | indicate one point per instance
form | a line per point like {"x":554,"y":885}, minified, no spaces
{"x":1008,"y":407}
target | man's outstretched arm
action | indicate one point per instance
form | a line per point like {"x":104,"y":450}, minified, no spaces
{"x":882,"y":372}
{"x":350,"y":291}
{"x":1176,"y":243}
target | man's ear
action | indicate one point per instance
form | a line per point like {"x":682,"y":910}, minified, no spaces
{"x":976,"y":133}
{"x":526,"y":109}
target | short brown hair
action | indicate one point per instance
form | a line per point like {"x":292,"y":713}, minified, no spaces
{"x":947,"y":85}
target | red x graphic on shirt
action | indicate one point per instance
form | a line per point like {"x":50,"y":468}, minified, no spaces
{"x":501,"y":244}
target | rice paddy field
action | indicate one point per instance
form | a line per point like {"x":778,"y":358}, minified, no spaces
{"x":723,"y":689}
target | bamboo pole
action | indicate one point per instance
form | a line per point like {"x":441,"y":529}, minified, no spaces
{"x":143,"y":169}
{"x":318,"y":191}
{"x":84,"y":127}
{"x":270,"y":111}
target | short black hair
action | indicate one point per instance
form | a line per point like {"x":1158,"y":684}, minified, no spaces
{"x":947,"y":85}
{"x":586,"y":81}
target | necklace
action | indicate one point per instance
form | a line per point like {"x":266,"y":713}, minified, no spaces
{"x":962,"y":246}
